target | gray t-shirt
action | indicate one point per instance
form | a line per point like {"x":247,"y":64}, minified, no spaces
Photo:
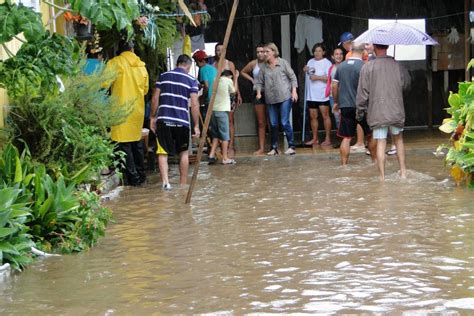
{"x":347,"y":76}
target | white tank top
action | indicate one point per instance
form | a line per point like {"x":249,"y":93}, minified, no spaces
{"x":255,"y":70}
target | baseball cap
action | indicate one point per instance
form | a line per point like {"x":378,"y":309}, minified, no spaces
{"x":199,"y":55}
{"x":346,"y":36}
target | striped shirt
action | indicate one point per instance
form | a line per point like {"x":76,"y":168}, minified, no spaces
{"x":175,"y":87}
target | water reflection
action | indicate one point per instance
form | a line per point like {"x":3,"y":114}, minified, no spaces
{"x":273,"y":235}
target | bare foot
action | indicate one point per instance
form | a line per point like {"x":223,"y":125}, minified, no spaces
{"x":312,"y":142}
{"x":326,"y":143}
{"x":403,"y":174}
{"x":259,"y":152}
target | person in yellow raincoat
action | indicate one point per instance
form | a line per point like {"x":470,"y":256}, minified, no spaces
{"x":130,"y":86}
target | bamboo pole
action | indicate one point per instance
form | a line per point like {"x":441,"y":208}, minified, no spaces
{"x":215,"y":86}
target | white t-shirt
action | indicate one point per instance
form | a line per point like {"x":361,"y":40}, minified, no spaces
{"x":317,"y":89}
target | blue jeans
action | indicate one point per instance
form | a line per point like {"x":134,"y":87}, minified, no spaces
{"x":283,"y":109}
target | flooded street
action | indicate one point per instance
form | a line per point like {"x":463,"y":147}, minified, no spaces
{"x":272,"y":235}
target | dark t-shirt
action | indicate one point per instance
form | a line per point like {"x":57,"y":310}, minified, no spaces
{"x":347,"y":75}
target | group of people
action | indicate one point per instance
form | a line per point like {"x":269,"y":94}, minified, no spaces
{"x":364,"y":92}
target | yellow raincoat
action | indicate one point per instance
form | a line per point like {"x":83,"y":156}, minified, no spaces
{"x":131,"y":85}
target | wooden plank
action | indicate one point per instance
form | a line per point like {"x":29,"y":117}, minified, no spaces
{"x":215,"y":86}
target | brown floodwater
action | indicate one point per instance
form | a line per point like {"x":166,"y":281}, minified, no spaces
{"x":272,"y":235}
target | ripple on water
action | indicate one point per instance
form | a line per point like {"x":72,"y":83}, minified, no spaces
{"x":279,"y":236}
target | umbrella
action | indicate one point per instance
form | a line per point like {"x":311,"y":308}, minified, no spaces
{"x":395,"y":33}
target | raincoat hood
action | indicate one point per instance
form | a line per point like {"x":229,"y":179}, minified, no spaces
{"x":132,"y":59}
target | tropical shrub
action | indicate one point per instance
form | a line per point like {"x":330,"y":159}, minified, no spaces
{"x":68,"y":132}
{"x":32,"y":73}
{"x":16,"y":19}
{"x":39,"y":210}
{"x":15,"y":242}
{"x":460,"y":156}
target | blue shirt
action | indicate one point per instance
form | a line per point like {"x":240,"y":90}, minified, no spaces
{"x":175,"y":87}
{"x":92,"y":65}
{"x":208,"y":73}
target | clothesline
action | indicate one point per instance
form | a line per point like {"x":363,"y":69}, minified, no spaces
{"x":169,"y":15}
{"x":330,"y":13}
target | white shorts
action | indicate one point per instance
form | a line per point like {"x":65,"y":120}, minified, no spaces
{"x":381,"y":132}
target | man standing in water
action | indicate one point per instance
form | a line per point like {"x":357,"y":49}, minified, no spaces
{"x":380,"y":98}
{"x":130,"y":86}
{"x":169,"y":118}
{"x":344,"y":90}
{"x":228,"y":65}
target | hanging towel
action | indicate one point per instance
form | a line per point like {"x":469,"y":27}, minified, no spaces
{"x":309,"y":31}
{"x":187,"y":45}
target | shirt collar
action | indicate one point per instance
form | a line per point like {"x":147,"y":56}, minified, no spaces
{"x":179,"y":69}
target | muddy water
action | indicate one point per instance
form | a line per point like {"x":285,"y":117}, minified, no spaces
{"x":272,"y":235}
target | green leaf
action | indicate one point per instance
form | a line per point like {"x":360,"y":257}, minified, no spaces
{"x":7,"y":231}
{"x":18,"y":171}
{"x":471,"y":63}
{"x":45,"y":207}
{"x":15,"y":19}
{"x":7,"y":197}
{"x":448,"y":126}
{"x":6,"y":247}
{"x":5,"y":216}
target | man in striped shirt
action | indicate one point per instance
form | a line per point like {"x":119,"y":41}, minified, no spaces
{"x":170,"y":116}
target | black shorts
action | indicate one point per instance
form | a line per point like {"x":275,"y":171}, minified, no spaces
{"x":258,"y":101}
{"x":172,"y":140}
{"x":348,"y":124}
{"x":316,"y":104}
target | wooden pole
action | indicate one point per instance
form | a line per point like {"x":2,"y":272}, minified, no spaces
{"x":467,"y":42}
{"x":215,"y":86}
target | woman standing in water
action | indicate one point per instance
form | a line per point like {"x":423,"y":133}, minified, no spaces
{"x":317,"y":72}
{"x":250,"y":72}
{"x":279,"y":82}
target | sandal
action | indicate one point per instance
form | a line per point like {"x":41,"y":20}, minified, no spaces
{"x":311,"y":143}
{"x":229,"y":162}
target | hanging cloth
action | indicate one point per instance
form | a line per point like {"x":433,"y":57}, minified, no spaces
{"x":309,"y":31}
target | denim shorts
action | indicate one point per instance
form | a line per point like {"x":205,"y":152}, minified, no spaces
{"x":382,"y":132}
{"x":220,"y":125}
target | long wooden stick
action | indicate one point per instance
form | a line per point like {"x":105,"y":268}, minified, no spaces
{"x":215,"y":86}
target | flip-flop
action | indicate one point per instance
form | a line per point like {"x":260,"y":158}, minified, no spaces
{"x":228,"y":162}
{"x":311,"y":143}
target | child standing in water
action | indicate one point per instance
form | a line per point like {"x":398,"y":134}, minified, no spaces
{"x":220,"y":118}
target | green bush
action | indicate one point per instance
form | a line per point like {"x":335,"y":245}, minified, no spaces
{"x":461,"y":127}
{"x":38,"y":209}
{"x":68,"y":132}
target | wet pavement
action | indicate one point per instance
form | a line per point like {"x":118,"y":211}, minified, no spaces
{"x":281,"y":235}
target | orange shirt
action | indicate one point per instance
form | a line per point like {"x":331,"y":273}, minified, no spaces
{"x":365,"y":56}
